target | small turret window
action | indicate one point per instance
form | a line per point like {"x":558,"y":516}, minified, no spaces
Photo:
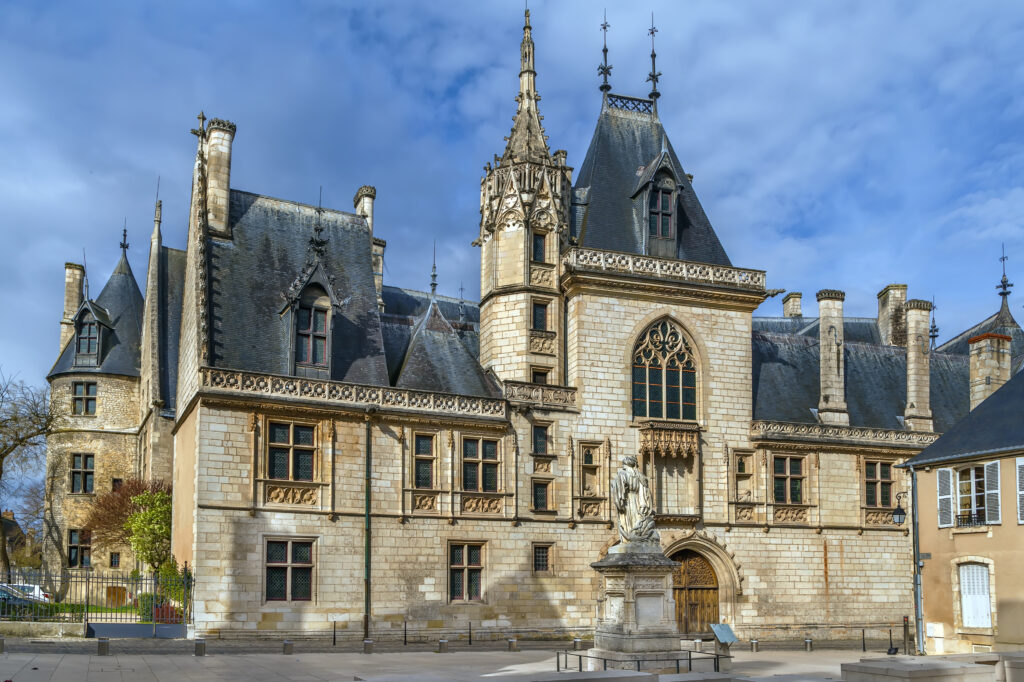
{"x":311,"y":329}
{"x":88,"y":342}
{"x":660,"y":213}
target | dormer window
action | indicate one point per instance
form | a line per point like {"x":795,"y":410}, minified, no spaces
{"x":660,"y":211}
{"x":88,"y":342}
{"x":312,"y":320}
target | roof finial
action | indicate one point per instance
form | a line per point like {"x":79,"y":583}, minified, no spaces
{"x":1004,"y":284}
{"x":85,"y":275}
{"x":933,"y":330}
{"x":124,"y":238}
{"x":462,"y":302}
{"x":654,"y":75}
{"x":604,"y":70}
{"x":433,"y":270}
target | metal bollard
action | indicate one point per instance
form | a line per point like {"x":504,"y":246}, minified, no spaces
{"x":200,"y":647}
{"x":103,"y":646}
{"x":698,"y":645}
{"x":577,"y":644}
{"x":513,"y":644}
{"x":442,"y":646}
{"x":1,"y":645}
{"x":808,"y":644}
{"x":367,"y":646}
{"x":289,"y":647}
{"x":755,"y":646}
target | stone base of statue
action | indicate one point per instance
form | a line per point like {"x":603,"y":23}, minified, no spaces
{"x":638,"y":618}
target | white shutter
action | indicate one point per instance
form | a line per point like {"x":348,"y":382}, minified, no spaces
{"x":975,"y":606}
{"x":992,"y":510}
{"x":1020,"y":490}
{"x":944,"y":478}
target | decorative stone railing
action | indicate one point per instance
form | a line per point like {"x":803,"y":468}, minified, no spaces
{"x":540,"y":395}
{"x":669,"y":439}
{"x":765,"y":430}
{"x":664,"y":268}
{"x":355,"y":395}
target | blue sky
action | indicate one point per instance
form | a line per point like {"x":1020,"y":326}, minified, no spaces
{"x":834,"y":144}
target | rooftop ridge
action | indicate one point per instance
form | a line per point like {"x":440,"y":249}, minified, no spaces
{"x":638,"y":105}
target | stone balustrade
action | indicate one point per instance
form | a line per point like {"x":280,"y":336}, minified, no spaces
{"x":664,"y":268}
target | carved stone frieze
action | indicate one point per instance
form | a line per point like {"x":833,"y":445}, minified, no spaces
{"x":542,"y":275}
{"x":357,"y":395}
{"x":766,"y":430}
{"x":878,"y":517}
{"x":542,"y":342}
{"x":790,"y":514}
{"x":669,"y":439}
{"x":290,"y":494}
{"x":480,"y":504}
{"x":590,"y":509}
{"x":745,"y":514}
{"x":664,"y":268}
{"x":542,"y":465}
{"x":540,"y":394}
{"x":424,"y":501}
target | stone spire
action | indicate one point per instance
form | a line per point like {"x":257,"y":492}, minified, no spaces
{"x":527,"y":141}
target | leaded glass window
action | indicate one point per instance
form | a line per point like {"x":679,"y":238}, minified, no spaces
{"x":291,"y":452}
{"x":480,"y":465}
{"x":465,"y":572}
{"x":289,"y":565}
{"x":424,"y":461}
{"x":82,"y":473}
{"x":664,"y":374}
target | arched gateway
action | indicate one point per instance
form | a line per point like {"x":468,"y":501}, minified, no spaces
{"x":695,"y":589}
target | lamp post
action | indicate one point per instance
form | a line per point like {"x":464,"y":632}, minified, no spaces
{"x":899,"y":514}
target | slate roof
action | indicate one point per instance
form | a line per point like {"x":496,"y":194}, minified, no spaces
{"x":855,"y":329}
{"x":251,"y":274}
{"x":607,"y":212}
{"x":121,"y":304}
{"x":993,"y":427}
{"x":786,"y":385}
{"x":170,"y":290}
{"x":437,"y":360}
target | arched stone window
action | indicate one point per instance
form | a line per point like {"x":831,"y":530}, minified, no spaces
{"x":664,"y":374}
{"x":312,"y":328}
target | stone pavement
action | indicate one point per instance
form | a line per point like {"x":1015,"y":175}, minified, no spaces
{"x":261,"y":661}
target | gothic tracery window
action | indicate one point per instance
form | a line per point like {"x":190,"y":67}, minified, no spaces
{"x":664,"y":374}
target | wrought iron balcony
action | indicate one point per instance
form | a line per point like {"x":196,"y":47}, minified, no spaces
{"x":971,"y":520}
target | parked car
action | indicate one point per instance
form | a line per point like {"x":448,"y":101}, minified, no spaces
{"x":34,"y":591}
{"x":14,"y":603}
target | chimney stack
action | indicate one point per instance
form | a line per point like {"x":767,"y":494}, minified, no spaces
{"x":8,"y":514}
{"x":891,"y":321}
{"x":831,"y":366}
{"x":791,"y":305}
{"x":220,"y":135}
{"x":74,"y":275}
{"x":918,"y":413}
{"x":990,"y":365}
{"x":363,"y":203}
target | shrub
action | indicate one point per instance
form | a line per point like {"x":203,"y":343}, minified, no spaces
{"x":146,"y":603}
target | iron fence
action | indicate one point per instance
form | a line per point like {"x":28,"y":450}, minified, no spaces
{"x":89,"y":596}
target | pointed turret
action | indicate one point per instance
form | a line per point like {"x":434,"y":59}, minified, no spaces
{"x":527,"y":141}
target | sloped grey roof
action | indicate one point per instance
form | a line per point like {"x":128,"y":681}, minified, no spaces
{"x":170,"y":289}
{"x":855,"y":329}
{"x":786,"y":384}
{"x":122,"y":303}
{"x":1001,"y":322}
{"x":605,"y":212}
{"x":251,"y":274}
{"x":993,"y":427}
{"x":437,"y":360}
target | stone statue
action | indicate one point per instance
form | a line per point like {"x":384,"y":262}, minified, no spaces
{"x":634,"y":503}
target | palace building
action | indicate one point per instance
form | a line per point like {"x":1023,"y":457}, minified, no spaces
{"x":349,"y":454}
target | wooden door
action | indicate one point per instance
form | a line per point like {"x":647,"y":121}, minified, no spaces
{"x":695,"y":588}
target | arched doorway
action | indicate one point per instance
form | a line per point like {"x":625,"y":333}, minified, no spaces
{"x":695,"y":589}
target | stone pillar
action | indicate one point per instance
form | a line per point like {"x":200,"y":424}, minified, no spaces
{"x":74,"y":276}
{"x":891,"y":322}
{"x":831,"y":368}
{"x":220,"y":135}
{"x":918,"y":414}
{"x":791,"y":305}
{"x":990,"y":365}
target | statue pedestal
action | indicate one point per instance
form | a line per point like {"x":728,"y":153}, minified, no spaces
{"x":638,"y":620}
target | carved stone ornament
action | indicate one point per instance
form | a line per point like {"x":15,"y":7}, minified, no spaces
{"x":790,"y":515}
{"x":540,"y":394}
{"x":480,"y":504}
{"x":664,"y":268}
{"x":878,"y":517}
{"x":833,"y":432}
{"x":541,"y":276}
{"x":424,"y":501}
{"x":288,"y":494}
{"x":542,"y":342}
{"x":542,"y":465}
{"x":669,"y":439}
{"x":590,"y":509}
{"x":745,"y":514}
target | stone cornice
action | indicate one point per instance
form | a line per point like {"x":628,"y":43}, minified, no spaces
{"x":828,"y":434}
{"x":666,"y":269}
{"x":339,"y":394}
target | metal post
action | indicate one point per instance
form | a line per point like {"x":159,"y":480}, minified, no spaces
{"x":558,"y":661}
{"x":863,"y":640}
{"x":102,"y":646}
{"x":367,"y":646}
{"x":1,"y":645}
{"x":334,"y":633}
{"x":405,"y":632}
{"x":906,"y":635}
{"x":809,"y":644}
{"x":471,"y":633}
{"x":442,"y":646}
{"x":289,"y":648}
{"x":200,"y":647}
{"x":755,"y":646}
{"x":366,"y":524}
{"x":513,"y":644}
{"x":577,"y":644}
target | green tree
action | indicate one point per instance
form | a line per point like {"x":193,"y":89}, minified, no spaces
{"x":149,"y":528}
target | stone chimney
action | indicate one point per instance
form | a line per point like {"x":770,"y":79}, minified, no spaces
{"x":918,"y":414}
{"x":891,"y":322}
{"x":74,"y":275}
{"x":220,"y":135}
{"x":791,"y":305}
{"x":832,"y":368}
{"x":8,"y":514}
{"x":363,"y":203}
{"x":990,"y":365}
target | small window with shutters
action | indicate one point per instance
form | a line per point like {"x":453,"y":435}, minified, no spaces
{"x":975,"y":602}
{"x":1020,"y":490}
{"x":944,"y":482}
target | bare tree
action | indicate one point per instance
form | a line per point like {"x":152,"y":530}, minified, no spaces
{"x":26,"y":419}
{"x":109,"y":514}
